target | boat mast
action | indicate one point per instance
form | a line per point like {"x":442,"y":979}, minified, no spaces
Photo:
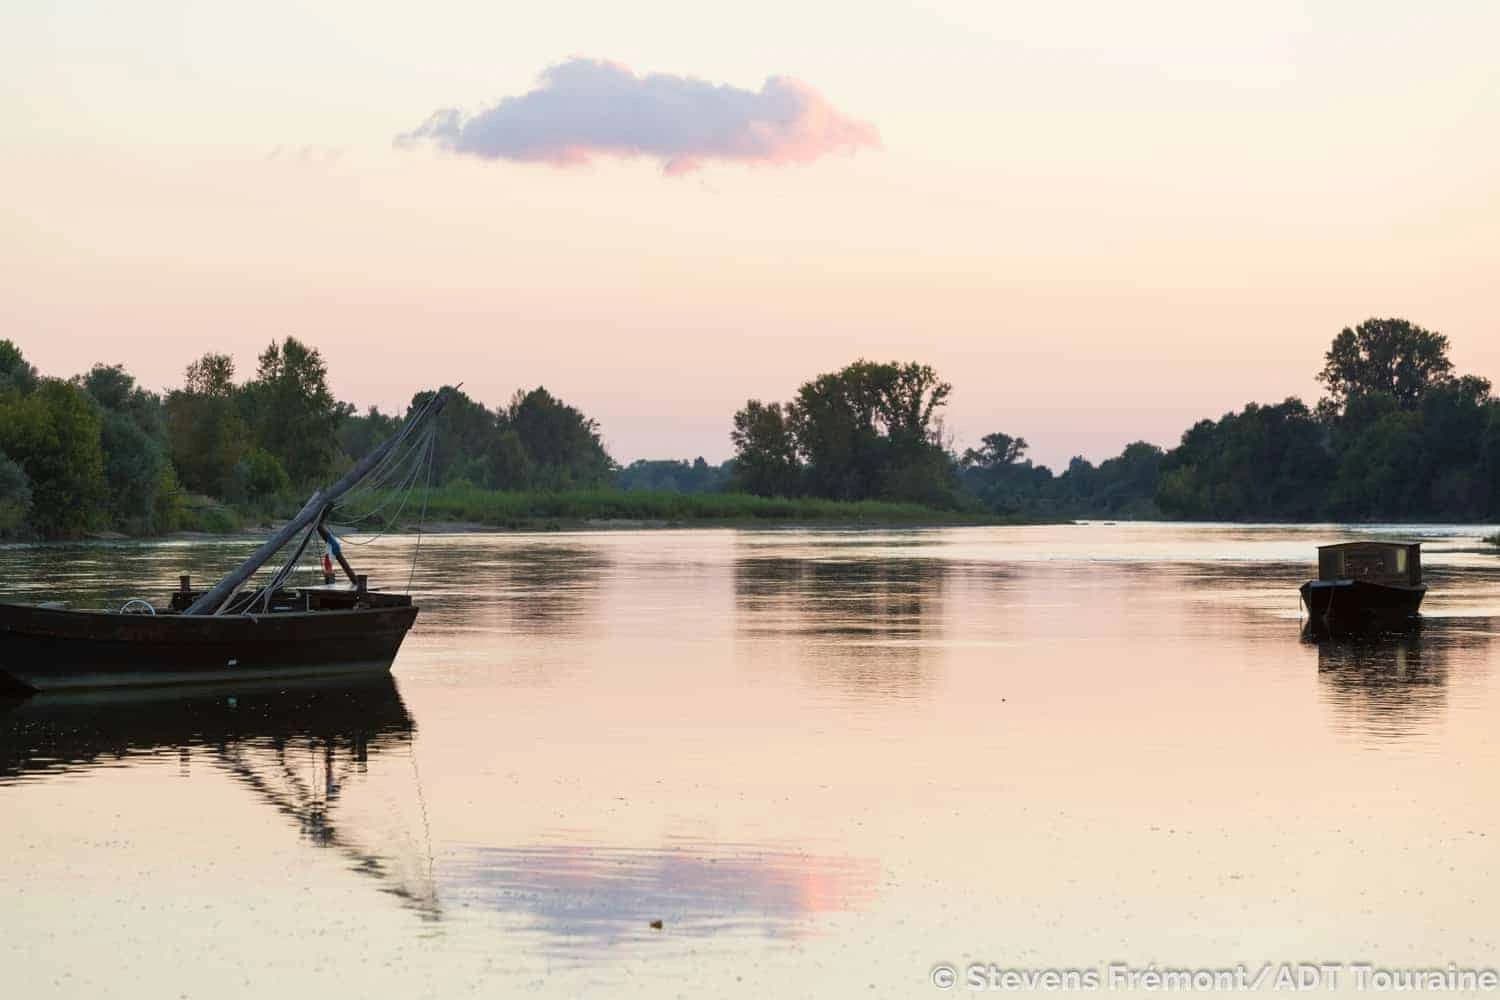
{"x":213,"y":601}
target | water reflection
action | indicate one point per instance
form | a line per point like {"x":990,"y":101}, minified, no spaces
{"x":1393,"y":685}
{"x":862,"y":626}
{"x":533,"y":588}
{"x":585,"y":899}
{"x":300,"y":748}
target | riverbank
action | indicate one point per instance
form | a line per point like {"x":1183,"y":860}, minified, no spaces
{"x":453,"y":509}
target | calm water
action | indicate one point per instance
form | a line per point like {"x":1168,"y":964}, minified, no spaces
{"x":826,"y":761}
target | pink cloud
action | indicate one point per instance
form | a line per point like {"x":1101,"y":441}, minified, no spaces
{"x":588,"y":108}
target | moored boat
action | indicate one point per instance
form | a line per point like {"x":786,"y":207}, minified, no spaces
{"x":233,"y":630}
{"x":1365,"y":584}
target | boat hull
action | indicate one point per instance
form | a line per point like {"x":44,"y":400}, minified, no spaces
{"x":1360,"y":603}
{"x":51,"y":649}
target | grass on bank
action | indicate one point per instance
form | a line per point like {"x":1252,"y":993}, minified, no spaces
{"x":1493,"y":539}
{"x":581,"y":507}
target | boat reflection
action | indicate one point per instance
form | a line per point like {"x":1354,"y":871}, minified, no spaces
{"x":581,"y":900}
{"x":862,"y":626}
{"x":300,"y":747}
{"x":1393,"y":684}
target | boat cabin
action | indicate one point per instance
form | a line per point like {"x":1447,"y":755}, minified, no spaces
{"x":1389,"y":563}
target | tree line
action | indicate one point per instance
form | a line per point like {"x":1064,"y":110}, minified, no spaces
{"x":1398,"y":436}
{"x":100,"y":453}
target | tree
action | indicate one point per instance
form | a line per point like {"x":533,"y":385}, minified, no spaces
{"x":16,"y":373}
{"x":765,"y":452}
{"x":15,"y":498}
{"x":359,"y":434}
{"x":466,"y":434}
{"x":995,"y":451}
{"x":291,"y":412}
{"x":52,"y":433}
{"x":870,"y":431}
{"x":674,"y":476}
{"x":206,"y":434}
{"x":211,"y":375}
{"x":1386,"y":356}
{"x":259,"y":477}
{"x":561,"y":444}
{"x":1263,"y":462}
{"x":133,"y":440}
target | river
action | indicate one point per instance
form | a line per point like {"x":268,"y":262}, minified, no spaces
{"x":826,"y":762}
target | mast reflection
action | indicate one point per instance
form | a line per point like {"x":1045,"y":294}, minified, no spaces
{"x":299,"y":747}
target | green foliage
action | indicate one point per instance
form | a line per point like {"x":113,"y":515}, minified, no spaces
{"x":259,"y":477}
{"x":290,"y":411}
{"x":765,"y":451}
{"x":674,"y":476}
{"x":16,"y":373}
{"x":359,"y":434}
{"x":1386,"y":356}
{"x":868,"y":431}
{"x":561,"y":445}
{"x":53,"y":434}
{"x":531,"y":509}
{"x":537,"y":442}
{"x":206,"y":434}
{"x":15,"y":498}
{"x":169,"y":511}
{"x":133,"y":440}
{"x":1266,"y":462}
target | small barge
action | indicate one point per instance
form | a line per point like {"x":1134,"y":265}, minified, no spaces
{"x":1365,"y":584}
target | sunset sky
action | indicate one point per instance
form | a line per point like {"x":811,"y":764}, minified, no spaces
{"x":1099,"y":221}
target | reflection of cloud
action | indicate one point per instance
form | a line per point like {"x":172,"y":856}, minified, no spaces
{"x":1391,"y":686}
{"x":587,"y":108}
{"x":864,"y":624}
{"x":587,"y":897}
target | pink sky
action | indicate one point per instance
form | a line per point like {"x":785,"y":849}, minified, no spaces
{"x":1099,"y":227}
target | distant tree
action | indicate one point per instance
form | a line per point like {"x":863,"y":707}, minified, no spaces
{"x":291,"y":412}
{"x":1381,"y":471}
{"x":15,"y":498}
{"x":1263,"y":462}
{"x":258,"y":477}
{"x":211,"y":375}
{"x":765,"y":452}
{"x":561,"y":444}
{"x":467,"y":440}
{"x":361,"y":433}
{"x":995,"y":451}
{"x":1386,"y":356}
{"x":673,"y":476}
{"x":1125,"y":486}
{"x":133,"y":440}
{"x":870,"y":431}
{"x":206,"y":433}
{"x":16,"y":373}
{"x":52,"y":433}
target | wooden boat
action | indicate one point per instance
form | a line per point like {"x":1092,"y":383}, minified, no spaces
{"x":1365,"y":584}
{"x":230,"y":632}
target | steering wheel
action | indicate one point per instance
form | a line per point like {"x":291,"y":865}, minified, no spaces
{"x":137,"y":606}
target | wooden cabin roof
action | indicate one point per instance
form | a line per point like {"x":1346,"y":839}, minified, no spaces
{"x":1382,"y":544}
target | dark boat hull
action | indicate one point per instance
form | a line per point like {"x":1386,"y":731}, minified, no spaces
{"x":1360,"y":603}
{"x":49,"y":649}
